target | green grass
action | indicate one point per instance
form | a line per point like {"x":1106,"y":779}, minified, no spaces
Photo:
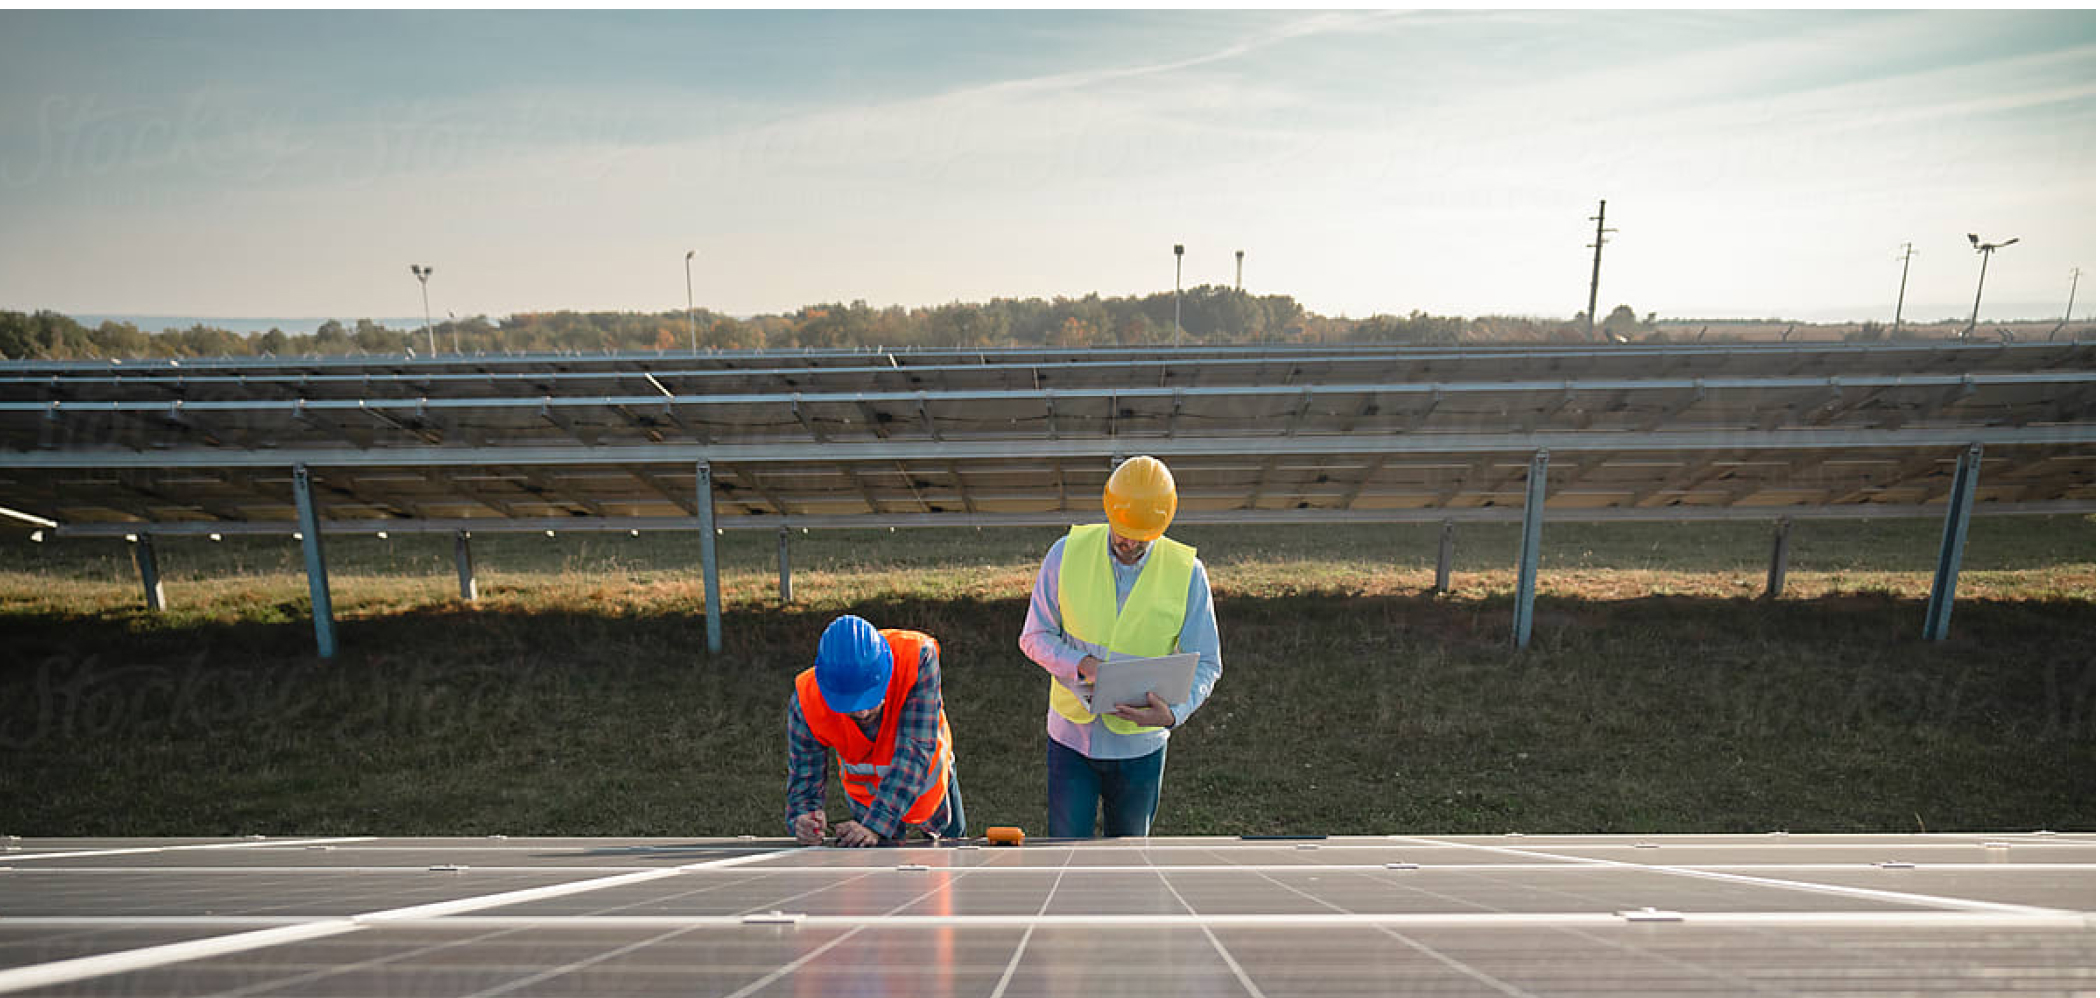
{"x":577,"y":696}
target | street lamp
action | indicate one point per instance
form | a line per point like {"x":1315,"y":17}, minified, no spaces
{"x":1177,"y":294}
{"x":1239,"y":265}
{"x":691,"y":331}
{"x":423,"y":276}
{"x":1986,"y":249}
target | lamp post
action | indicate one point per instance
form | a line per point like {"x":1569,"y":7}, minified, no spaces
{"x":1986,"y":249}
{"x":1177,"y":294}
{"x":692,"y":332}
{"x":423,"y":277}
{"x":1239,"y":266}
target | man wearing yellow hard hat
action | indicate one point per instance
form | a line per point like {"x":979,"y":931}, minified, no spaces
{"x":1121,"y":589}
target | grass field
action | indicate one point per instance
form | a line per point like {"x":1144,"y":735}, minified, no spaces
{"x":576,"y":696}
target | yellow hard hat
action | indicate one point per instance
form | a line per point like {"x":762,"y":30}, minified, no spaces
{"x":1140,"y":499}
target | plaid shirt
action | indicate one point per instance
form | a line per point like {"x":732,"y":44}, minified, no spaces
{"x":918,"y":737}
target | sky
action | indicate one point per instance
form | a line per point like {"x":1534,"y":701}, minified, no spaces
{"x":1753,"y":163}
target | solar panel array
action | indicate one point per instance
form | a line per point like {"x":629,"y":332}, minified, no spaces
{"x":1029,"y":436}
{"x":1399,"y":914}
{"x":1471,"y":362}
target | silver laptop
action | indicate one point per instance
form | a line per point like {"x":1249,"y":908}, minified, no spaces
{"x":1127,"y":680}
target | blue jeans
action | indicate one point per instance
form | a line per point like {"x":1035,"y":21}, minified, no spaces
{"x":947,"y":820}
{"x":1125,"y":790}
{"x":955,"y":827}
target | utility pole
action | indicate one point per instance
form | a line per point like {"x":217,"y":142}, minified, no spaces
{"x":1239,"y":265}
{"x":1596,"y":268}
{"x":1900,"y":285}
{"x":2074,"y":296}
{"x":423,"y":276}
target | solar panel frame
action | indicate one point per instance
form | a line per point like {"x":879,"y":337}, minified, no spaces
{"x":661,"y":375}
{"x":1285,"y":435}
{"x":1648,"y":406}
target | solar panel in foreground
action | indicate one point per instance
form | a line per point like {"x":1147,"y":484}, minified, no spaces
{"x":1517,"y":915}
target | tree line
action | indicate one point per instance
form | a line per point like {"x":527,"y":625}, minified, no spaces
{"x":1208,"y":315}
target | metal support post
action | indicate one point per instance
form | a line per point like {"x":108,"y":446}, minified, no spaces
{"x":1775,"y":577}
{"x":149,"y":573}
{"x":316,"y":561}
{"x":1952,"y":538}
{"x":704,"y":487}
{"x":787,"y":582}
{"x":1443,"y":557}
{"x":463,"y":556}
{"x":1528,"y":557}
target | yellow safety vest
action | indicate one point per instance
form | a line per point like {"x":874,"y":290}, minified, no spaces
{"x":1149,"y":624}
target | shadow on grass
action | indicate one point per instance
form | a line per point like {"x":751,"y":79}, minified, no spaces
{"x":1336,"y":714}
{"x":284,"y":631}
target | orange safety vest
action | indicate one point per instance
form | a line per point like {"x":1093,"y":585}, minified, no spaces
{"x":864,"y":763}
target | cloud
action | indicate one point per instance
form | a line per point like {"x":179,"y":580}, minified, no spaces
{"x":1367,"y":160}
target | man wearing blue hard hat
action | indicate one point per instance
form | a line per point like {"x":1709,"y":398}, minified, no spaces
{"x":873,"y":699}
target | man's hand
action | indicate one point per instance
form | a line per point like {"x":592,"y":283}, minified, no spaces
{"x":1089,"y":667}
{"x":853,"y":834}
{"x":1154,"y":714}
{"x":809,"y":828}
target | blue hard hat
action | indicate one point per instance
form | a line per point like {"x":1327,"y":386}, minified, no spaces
{"x":853,"y":665}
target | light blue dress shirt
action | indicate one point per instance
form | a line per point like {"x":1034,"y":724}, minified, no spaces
{"x":1045,"y":642}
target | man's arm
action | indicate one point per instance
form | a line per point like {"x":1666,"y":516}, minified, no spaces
{"x":1199,"y":634}
{"x":808,"y":766}
{"x":1043,"y":637}
{"x":918,"y":737}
